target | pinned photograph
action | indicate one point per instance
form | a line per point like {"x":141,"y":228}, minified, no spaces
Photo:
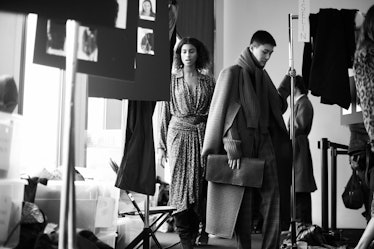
{"x":145,"y":41}
{"x":87,"y":44}
{"x":56,"y":36}
{"x":147,"y":9}
{"x":122,"y":14}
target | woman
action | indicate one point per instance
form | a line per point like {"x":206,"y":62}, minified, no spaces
{"x":364,"y":72}
{"x":182,"y":131}
{"x":147,"y":9}
{"x":364,"y":78}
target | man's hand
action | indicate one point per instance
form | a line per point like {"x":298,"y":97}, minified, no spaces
{"x":234,"y":164}
{"x":292,"y":73}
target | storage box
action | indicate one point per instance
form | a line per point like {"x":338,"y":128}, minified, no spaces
{"x":108,"y":238}
{"x":129,"y":227}
{"x":10,"y":145}
{"x":11,"y":198}
{"x":96,"y":204}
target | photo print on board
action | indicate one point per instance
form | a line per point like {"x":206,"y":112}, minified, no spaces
{"x":147,"y":9}
{"x":87,"y":44}
{"x":122,"y":14}
{"x":56,"y":36}
{"x":145,"y":41}
{"x":87,"y":41}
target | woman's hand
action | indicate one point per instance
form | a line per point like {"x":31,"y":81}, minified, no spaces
{"x":161,"y":158}
{"x":234,"y":164}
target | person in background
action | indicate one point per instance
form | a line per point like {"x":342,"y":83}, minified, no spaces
{"x":245,"y":120}
{"x":182,"y":129}
{"x":8,"y":94}
{"x":364,"y":79}
{"x":147,"y":9}
{"x":304,"y":177}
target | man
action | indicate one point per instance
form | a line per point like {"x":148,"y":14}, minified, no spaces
{"x":245,"y":120}
{"x":304,"y":177}
{"x":8,"y":94}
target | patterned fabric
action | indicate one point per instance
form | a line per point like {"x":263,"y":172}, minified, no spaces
{"x":364,"y":78}
{"x":183,"y":122}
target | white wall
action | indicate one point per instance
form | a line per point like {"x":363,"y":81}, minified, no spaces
{"x":236,"y":22}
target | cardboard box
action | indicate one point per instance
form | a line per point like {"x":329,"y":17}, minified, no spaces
{"x":11,"y":198}
{"x":10,"y":145}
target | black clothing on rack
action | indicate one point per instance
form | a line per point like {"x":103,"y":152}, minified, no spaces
{"x":327,"y":58}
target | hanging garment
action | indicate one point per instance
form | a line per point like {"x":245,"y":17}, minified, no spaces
{"x":137,"y":170}
{"x":327,"y":59}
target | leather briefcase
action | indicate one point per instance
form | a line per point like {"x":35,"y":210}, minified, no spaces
{"x":250,"y":173}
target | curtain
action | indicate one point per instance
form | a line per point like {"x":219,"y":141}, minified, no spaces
{"x":196,"y":19}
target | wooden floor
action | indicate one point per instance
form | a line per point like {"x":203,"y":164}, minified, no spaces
{"x":349,"y":237}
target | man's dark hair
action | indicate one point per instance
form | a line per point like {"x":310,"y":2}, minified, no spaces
{"x":299,"y":84}
{"x":263,"y":37}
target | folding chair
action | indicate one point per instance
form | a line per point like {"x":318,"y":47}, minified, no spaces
{"x":164,"y":212}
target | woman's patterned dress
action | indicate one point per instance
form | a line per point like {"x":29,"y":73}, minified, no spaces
{"x":364,"y":78}
{"x":183,"y":122}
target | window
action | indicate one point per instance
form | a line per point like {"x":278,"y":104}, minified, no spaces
{"x":99,"y":122}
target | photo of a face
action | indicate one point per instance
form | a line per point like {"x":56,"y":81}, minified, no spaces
{"x":147,"y":9}
{"x":145,"y":41}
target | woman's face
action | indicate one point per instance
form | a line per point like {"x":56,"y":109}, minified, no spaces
{"x":188,"y":55}
{"x":147,"y":7}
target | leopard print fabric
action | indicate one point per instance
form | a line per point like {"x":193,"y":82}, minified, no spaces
{"x":364,"y":78}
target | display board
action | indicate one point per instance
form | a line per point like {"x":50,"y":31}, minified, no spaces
{"x":152,"y":60}
{"x":127,"y":62}
{"x":93,"y":12}
{"x":103,"y":51}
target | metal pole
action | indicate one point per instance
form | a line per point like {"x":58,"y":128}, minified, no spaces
{"x":292,"y":133}
{"x":333,"y":188}
{"x":67,"y":236}
{"x":324,"y":184}
{"x":147,"y":238}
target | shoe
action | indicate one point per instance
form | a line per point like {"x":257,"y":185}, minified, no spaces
{"x":202,"y":239}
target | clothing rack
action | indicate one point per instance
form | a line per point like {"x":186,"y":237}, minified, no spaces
{"x":335,"y":149}
{"x":292,"y":17}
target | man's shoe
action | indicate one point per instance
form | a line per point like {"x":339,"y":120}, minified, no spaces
{"x":203,"y":239}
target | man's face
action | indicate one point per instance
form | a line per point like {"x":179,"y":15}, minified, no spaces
{"x":262,"y":52}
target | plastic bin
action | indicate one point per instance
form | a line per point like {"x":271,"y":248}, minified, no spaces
{"x":11,"y":198}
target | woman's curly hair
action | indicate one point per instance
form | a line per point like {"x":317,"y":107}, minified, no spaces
{"x":203,"y":58}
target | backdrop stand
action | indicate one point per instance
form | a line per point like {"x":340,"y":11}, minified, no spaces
{"x":67,"y":229}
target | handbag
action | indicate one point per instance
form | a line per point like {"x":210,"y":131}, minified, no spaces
{"x":353,"y":196}
{"x":250,"y":173}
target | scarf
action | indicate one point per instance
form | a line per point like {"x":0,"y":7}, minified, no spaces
{"x":253,"y":91}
